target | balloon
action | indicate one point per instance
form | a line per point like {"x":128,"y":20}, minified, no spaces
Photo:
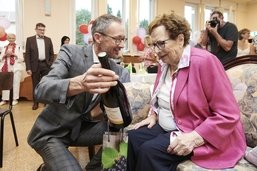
{"x":83,"y":28}
{"x":141,"y":32}
{"x":4,"y":22}
{"x":2,"y":31}
{"x":4,"y":38}
{"x":140,"y":47}
{"x":136,"y":40}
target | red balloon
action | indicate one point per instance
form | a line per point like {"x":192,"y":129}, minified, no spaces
{"x":4,"y":38}
{"x":83,"y":28}
{"x":140,"y":47}
{"x":136,"y":40}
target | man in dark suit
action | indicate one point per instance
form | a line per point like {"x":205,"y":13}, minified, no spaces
{"x":71,"y":90}
{"x":39,"y":57}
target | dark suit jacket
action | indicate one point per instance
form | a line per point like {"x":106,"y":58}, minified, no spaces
{"x":63,"y":114}
{"x":31,"y":55}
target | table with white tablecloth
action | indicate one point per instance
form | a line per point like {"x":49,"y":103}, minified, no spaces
{"x":143,"y":78}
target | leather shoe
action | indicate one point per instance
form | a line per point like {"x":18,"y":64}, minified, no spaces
{"x":95,"y":163}
{"x":35,"y":106}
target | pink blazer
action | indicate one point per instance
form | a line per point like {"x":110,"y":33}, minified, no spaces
{"x":204,"y":102}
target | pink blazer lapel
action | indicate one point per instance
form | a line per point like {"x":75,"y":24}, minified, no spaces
{"x":181,"y":81}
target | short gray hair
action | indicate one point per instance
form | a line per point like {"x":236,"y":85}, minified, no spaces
{"x":102,"y":23}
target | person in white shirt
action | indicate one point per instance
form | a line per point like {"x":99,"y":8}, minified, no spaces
{"x":243,"y":46}
{"x":11,"y":60}
{"x":39,"y":57}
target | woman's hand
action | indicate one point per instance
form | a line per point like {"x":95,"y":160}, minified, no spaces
{"x":150,"y":121}
{"x":185,"y":143}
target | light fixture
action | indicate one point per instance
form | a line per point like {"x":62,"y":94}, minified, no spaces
{"x":47,"y":7}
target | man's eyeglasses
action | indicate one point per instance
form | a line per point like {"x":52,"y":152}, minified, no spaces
{"x":159,"y":44}
{"x":117,"y":40}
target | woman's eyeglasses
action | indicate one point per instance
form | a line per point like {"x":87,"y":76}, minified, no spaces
{"x":159,"y":44}
{"x":117,"y":40}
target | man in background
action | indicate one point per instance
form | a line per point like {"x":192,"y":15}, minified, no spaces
{"x":221,"y":37}
{"x":39,"y":57}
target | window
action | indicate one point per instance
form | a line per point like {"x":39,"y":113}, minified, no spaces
{"x":114,"y":7}
{"x":120,"y":9}
{"x":225,"y":15}
{"x":87,"y":9}
{"x":83,"y":17}
{"x":145,"y":13}
{"x":190,"y":13}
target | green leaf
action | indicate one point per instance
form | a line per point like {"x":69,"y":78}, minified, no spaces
{"x":108,"y":157}
{"x":123,"y":149}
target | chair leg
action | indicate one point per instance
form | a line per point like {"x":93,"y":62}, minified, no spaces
{"x":1,"y":141}
{"x":14,"y":130}
{"x":91,"y":151}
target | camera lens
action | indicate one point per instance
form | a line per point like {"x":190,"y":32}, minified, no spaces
{"x":214,"y":22}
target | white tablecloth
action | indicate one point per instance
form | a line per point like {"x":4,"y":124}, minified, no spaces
{"x":143,"y":78}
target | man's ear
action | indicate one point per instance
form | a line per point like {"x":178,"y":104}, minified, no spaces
{"x":97,"y":37}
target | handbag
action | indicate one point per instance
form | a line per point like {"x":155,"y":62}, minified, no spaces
{"x":115,"y":147}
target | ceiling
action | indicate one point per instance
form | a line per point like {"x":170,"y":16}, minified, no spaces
{"x":245,"y":1}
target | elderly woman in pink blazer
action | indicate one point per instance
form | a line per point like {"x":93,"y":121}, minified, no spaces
{"x":194,"y":114}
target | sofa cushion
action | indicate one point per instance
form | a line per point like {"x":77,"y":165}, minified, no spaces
{"x":244,"y":83}
{"x":251,"y":156}
{"x":139,"y":97}
{"x":242,"y":165}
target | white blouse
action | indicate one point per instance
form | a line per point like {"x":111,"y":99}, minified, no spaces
{"x":165,"y":114}
{"x":242,"y":52}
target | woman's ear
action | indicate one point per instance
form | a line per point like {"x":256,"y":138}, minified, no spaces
{"x":180,"y":39}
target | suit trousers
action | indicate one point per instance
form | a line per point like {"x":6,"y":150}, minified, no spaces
{"x":147,"y":150}
{"x":55,"y":152}
{"x":41,"y":71}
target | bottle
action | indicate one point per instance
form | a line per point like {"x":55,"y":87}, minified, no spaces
{"x":115,"y":101}
{"x":129,"y":67}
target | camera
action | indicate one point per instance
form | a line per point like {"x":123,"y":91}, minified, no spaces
{"x":214,"y":22}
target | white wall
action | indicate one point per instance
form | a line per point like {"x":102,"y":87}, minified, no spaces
{"x":58,"y":24}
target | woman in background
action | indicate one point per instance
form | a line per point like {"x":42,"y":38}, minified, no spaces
{"x":65,"y":40}
{"x":200,"y":44}
{"x":243,"y":45}
{"x":149,"y":57}
{"x":11,"y":60}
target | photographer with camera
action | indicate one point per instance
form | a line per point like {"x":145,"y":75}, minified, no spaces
{"x":221,"y":37}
